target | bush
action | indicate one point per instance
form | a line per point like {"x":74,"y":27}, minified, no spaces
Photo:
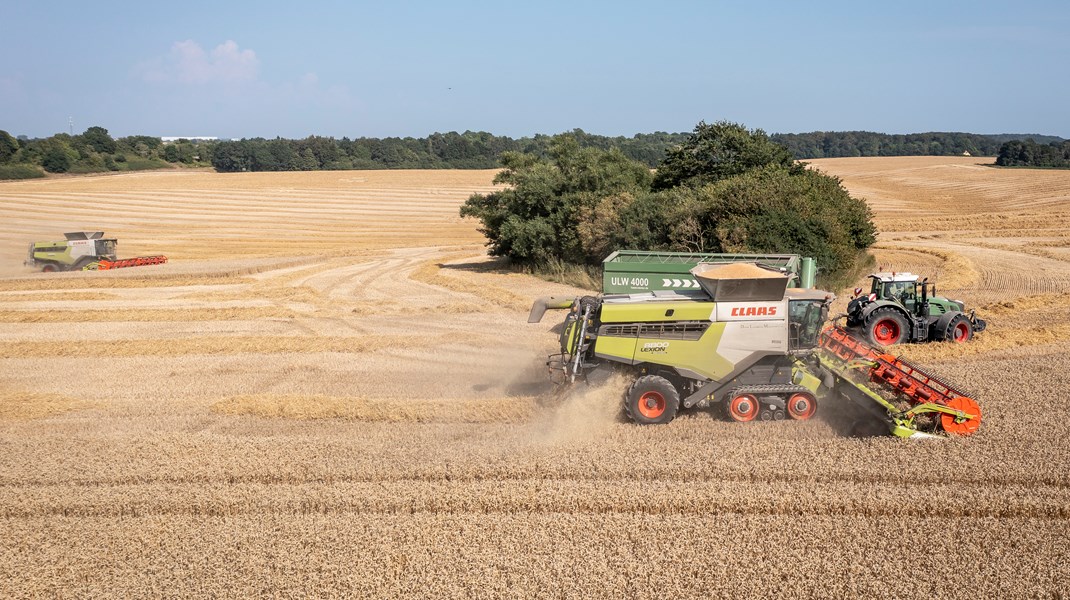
{"x":20,"y":171}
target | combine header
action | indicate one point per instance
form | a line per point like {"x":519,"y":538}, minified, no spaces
{"x":853,"y":369}
{"x":140,"y":261}
{"x":746,"y":342}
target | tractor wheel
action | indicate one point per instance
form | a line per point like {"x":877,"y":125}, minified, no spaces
{"x":652,"y":400}
{"x":802,"y":406}
{"x":49,"y":268}
{"x":887,"y":327}
{"x":743,"y":407}
{"x":959,"y":330}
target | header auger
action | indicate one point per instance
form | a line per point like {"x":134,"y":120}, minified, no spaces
{"x":749,"y":344}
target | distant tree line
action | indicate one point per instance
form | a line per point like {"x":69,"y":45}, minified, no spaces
{"x":837,"y":144}
{"x":1028,"y":153}
{"x":468,"y":150}
{"x":96,"y":151}
{"x":93,"y":151}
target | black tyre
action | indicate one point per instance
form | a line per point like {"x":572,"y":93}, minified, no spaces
{"x":652,"y":400}
{"x":887,"y":327}
{"x":50,"y":268}
{"x":959,"y":330}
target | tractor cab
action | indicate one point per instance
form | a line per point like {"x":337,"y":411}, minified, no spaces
{"x":917,"y":297}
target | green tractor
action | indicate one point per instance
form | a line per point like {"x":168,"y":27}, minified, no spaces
{"x":901,"y":309}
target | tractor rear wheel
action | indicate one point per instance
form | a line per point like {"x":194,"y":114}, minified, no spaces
{"x":887,"y":327}
{"x":959,"y":330}
{"x":652,"y":400}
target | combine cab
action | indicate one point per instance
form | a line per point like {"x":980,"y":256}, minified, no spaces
{"x":749,"y":344}
{"x":900,"y":309}
{"x":83,"y":250}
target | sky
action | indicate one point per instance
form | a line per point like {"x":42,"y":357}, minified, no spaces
{"x":381,"y":69}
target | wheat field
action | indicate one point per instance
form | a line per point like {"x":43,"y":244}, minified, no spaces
{"x":331,"y":391}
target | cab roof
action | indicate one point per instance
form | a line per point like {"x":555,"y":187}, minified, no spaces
{"x":888,"y":277}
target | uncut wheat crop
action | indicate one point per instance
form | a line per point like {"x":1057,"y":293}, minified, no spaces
{"x":330,"y":390}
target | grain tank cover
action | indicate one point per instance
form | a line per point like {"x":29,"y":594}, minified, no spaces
{"x":84,"y":235}
{"x":740,"y":282}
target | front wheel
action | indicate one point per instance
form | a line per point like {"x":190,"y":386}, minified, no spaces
{"x":959,"y":330}
{"x":652,"y":400}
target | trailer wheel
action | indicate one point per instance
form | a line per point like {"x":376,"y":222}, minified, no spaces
{"x":651,"y":400}
{"x":959,"y":330}
{"x":887,"y":327}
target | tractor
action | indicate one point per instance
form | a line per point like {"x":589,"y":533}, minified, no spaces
{"x":901,"y":309}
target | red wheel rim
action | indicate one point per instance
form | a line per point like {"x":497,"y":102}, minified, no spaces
{"x":961,"y":332}
{"x":651,"y":405}
{"x":886,"y":332}
{"x":743,"y":407}
{"x":802,"y":406}
{"x":951,"y":424}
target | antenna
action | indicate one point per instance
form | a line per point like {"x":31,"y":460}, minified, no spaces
{"x":70,"y":123}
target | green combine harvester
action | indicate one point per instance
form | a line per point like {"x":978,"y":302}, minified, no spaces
{"x":745,"y":341}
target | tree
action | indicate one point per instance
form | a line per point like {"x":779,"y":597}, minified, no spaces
{"x":56,"y":160}
{"x":8,"y":147}
{"x":537,"y":218}
{"x":718,"y":151}
{"x":98,"y":139}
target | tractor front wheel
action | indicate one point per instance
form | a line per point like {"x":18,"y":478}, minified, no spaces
{"x":652,"y":400}
{"x":887,"y":327}
{"x":959,"y":330}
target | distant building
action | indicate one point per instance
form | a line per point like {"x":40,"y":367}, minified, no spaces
{"x":192,"y":138}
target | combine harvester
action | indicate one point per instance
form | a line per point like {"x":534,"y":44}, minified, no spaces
{"x":746,"y":341}
{"x":84,"y":251}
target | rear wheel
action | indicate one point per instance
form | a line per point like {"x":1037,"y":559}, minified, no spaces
{"x":49,"y":268}
{"x":652,"y":400}
{"x":886,"y":327}
{"x":959,"y":330}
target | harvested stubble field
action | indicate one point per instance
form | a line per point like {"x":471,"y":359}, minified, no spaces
{"x":329,"y":391}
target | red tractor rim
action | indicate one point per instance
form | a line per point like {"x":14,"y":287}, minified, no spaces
{"x":801,"y":406}
{"x":886,"y":332}
{"x":961,"y":332}
{"x":651,"y":405}
{"x":743,"y":407}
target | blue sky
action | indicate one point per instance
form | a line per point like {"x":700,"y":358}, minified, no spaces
{"x":377,"y":69}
